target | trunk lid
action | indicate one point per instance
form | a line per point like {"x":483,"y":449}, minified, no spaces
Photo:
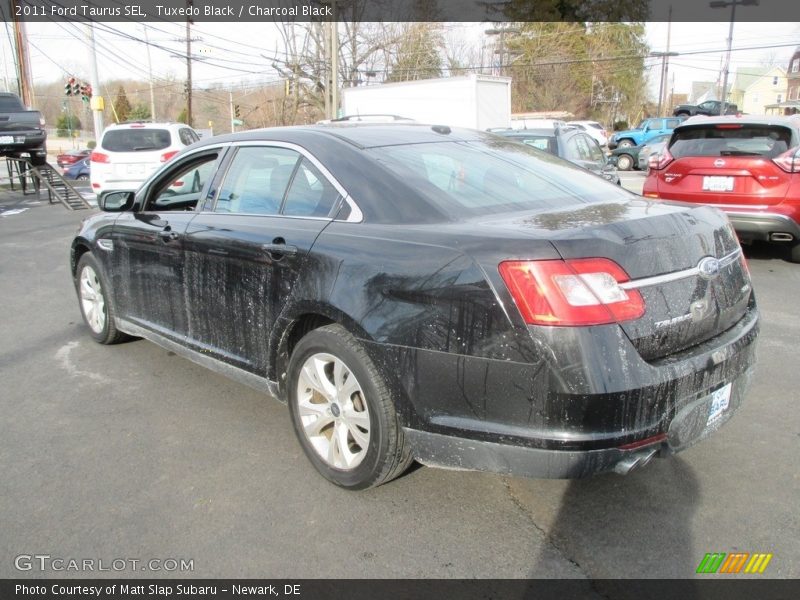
{"x":660,"y":246}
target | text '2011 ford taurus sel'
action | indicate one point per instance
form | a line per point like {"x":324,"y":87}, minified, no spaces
{"x":417,"y":292}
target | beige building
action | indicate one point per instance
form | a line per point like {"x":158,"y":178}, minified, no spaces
{"x":754,"y":89}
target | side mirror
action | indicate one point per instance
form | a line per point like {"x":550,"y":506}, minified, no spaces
{"x":116,"y":201}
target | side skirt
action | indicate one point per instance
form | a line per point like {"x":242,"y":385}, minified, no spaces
{"x":260,"y":384}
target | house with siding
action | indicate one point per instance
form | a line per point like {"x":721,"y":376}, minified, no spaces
{"x":754,"y":89}
{"x":790,"y":103}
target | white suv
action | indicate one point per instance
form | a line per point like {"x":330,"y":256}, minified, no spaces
{"x":594,"y":129}
{"x":129,"y":152}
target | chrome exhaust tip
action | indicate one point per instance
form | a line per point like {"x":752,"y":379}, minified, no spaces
{"x":781,"y":237}
{"x":635,"y":461}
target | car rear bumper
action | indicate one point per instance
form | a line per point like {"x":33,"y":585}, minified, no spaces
{"x":506,"y":428}
{"x":763,"y":226}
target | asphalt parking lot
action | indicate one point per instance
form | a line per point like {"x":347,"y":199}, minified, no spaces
{"x":131,"y":452}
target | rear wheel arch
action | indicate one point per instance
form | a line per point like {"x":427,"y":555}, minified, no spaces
{"x":303,"y":322}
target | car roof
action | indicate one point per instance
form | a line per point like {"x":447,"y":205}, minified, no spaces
{"x":362,"y":135}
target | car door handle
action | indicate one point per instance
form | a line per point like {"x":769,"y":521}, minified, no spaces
{"x":168,"y":235}
{"x":279,"y":248}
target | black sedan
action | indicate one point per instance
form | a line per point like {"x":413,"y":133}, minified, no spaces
{"x":417,"y":292}
{"x":570,"y":143}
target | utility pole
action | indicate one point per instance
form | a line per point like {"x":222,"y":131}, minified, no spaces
{"x":230,"y":101}
{"x":24,"y":77}
{"x":326,"y":61}
{"x":150,"y":74}
{"x":188,"y":67}
{"x":334,"y":62}
{"x":732,"y":4}
{"x":96,"y":101}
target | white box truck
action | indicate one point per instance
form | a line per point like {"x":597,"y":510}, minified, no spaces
{"x":475,"y":101}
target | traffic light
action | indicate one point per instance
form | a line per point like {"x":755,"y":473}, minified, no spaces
{"x":236,"y":112}
{"x":76,"y":87}
{"x":86,"y":92}
{"x":69,"y":86}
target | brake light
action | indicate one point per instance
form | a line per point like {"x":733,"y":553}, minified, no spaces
{"x":99,"y":157}
{"x":789,"y":161}
{"x":728,"y":126}
{"x":660,"y":160}
{"x":177,"y":183}
{"x":167,"y":155}
{"x":571,"y":293}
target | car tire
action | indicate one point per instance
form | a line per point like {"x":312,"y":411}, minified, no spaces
{"x":82,"y":178}
{"x":625,"y":144}
{"x":624,"y":162}
{"x":94,"y":301}
{"x":794,"y":253}
{"x":342,"y":411}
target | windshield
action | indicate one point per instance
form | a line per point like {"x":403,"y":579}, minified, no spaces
{"x":491,"y":176}
{"x":731,"y":140}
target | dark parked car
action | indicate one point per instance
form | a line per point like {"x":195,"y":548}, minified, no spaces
{"x":428,"y":293}
{"x":627,"y":157}
{"x":80,"y":170}
{"x":709,"y":108}
{"x":569,"y":143}
{"x":70,"y":158}
{"x":747,"y":166}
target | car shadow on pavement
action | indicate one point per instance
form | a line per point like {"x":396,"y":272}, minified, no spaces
{"x":636,"y":526}
{"x":763,"y":251}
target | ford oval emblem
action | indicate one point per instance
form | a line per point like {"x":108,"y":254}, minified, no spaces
{"x":708,"y":267}
{"x":719,"y":163}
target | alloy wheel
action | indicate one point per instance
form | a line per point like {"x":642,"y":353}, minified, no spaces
{"x":333,"y":411}
{"x":92,"y":300}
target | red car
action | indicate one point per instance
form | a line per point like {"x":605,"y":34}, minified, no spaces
{"x":747,"y":166}
{"x":70,"y":158}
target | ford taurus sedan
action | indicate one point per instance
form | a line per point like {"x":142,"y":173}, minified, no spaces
{"x":421,"y":292}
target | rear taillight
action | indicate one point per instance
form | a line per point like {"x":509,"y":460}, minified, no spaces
{"x":167,"y":155}
{"x":659,"y":160}
{"x":571,"y":293}
{"x":99,"y":157}
{"x":789,"y":161}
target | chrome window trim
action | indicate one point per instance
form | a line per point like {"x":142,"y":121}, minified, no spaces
{"x":675,"y":276}
{"x":356,"y":216}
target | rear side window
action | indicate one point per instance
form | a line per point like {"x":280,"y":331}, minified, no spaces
{"x":136,"y":140}
{"x":735,"y":140}
{"x":10,"y":104}
{"x":188,"y":136}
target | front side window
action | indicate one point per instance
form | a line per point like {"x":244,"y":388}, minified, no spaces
{"x":180,"y":188}
{"x":257,"y":180}
{"x":796,"y":65}
{"x":593,"y":150}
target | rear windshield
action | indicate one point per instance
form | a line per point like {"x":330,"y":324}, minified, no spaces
{"x":745,"y":140}
{"x":136,"y":140}
{"x":491,"y":176}
{"x":10,"y":104}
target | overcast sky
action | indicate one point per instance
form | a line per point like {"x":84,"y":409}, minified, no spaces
{"x":242,"y":51}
